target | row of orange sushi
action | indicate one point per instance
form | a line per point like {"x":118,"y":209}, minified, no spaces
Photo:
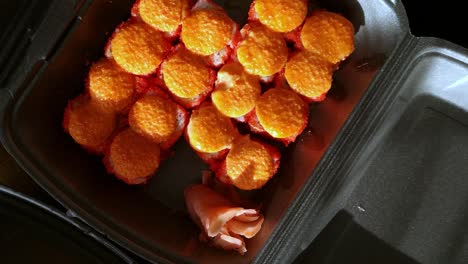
{"x":177,"y":67}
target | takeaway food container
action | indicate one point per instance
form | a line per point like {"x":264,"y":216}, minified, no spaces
{"x":387,"y":146}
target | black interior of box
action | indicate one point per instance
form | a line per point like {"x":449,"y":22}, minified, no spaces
{"x":31,"y":235}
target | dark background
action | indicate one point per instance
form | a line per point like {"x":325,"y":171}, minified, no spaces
{"x":443,"y":19}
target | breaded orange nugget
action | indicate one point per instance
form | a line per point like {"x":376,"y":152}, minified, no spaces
{"x":309,"y":75}
{"x":87,"y":125}
{"x":155,"y":117}
{"x":187,"y":76}
{"x":207,"y":31}
{"x":262,"y":52}
{"x":138,"y":48}
{"x":110,"y":87}
{"x":163,"y":15}
{"x":282,"y":113}
{"x":132,"y":158}
{"x":236,"y":91}
{"x":209,"y":131}
{"x":328,"y":35}
{"x":280,"y":15}
{"x":250,"y":164}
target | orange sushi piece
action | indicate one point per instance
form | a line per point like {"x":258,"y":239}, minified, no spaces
{"x":209,"y":131}
{"x":328,"y":35}
{"x":281,"y":113}
{"x":138,"y":48}
{"x":262,"y":51}
{"x":250,"y":164}
{"x":279,"y":15}
{"x":309,"y":75}
{"x":236,"y":91}
{"x":158,"y":118}
{"x":132,"y":158}
{"x":163,"y":15}
{"x":208,"y":29}
{"x":187,"y":77}
{"x":110,"y":88}
{"x":88,"y":125}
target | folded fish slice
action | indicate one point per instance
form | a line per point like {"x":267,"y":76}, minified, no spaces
{"x":247,"y":229}
{"x":211,"y":210}
{"x":230,"y":242}
{"x":223,"y":224}
{"x":225,"y":241}
{"x":247,"y":218}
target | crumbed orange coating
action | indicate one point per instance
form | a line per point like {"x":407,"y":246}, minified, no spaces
{"x":308,"y":74}
{"x":282,"y":113}
{"x":110,"y":87}
{"x":154,"y":117}
{"x":249,"y":165}
{"x":132,"y":156}
{"x":281,"y":15}
{"x":209,"y":131}
{"x":138,"y":48}
{"x":236,"y":91}
{"x":207,"y":31}
{"x":89,"y":126}
{"x":263,"y":52}
{"x":164,"y":15}
{"x":186,"y":74}
{"x":329,"y":35}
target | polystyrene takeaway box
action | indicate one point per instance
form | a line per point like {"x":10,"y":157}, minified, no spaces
{"x":375,"y":101}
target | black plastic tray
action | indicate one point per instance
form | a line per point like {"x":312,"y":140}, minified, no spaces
{"x":317,"y":176}
{"x":399,"y":186}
